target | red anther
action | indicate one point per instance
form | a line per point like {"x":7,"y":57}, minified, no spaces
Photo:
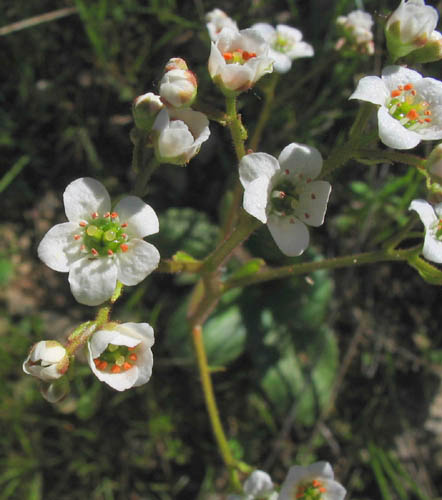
{"x":428,"y":120}
{"x":102,"y":365}
{"x":127,"y":366}
{"x":413,"y":92}
{"x":114,"y":215}
{"x":109,"y":252}
{"x":94,"y":215}
{"x":313,"y":196}
{"x":427,"y":113}
{"x":124,"y":247}
{"x":83,"y":223}
{"x":94,"y":252}
{"x":133,"y":356}
{"x":316,"y":483}
{"x":115,"y":369}
{"x":395,"y":93}
{"x":287,"y":171}
{"x":248,"y":55}
{"x":124,"y":224}
{"x":412,"y":114}
{"x":228,"y":56}
{"x":409,"y":86}
{"x":322,"y":489}
{"x":124,"y":235}
{"x":107,"y":214}
{"x":77,"y":236}
{"x":97,"y":362}
{"x":306,"y":215}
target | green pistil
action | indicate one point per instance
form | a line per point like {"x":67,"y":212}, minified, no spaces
{"x":308,"y":493}
{"x":283,"y":199}
{"x":103,"y":235}
{"x":115,"y":354}
{"x":280,"y":44}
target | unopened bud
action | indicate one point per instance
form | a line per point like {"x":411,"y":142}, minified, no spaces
{"x":175,"y":63}
{"x":430,"y":52}
{"x":47,"y":360}
{"x":145,"y":109}
{"x":178,"y":88}
{"x":434,"y":162}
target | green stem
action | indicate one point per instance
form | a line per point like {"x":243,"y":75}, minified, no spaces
{"x":308,"y":267}
{"x":389,"y":156}
{"x":212,"y":408}
{"x":269,"y":95}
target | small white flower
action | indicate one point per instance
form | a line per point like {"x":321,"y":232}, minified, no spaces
{"x":179,"y":134}
{"x":283,"y":194}
{"x":47,"y":360}
{"x":178,"y":87}
{"x":357,"y":26}
{"x":217,"y":20}
{"x":410,"y":106}
{"x":121,"y":355}
{"x":314,"y":481}
{"x":258,"y":486}
{"x":99,"y":246}
{"x":431,"y":217}
{"x":285,"y":45}
{"x":238,"y":59}
{"x":410,"y":26}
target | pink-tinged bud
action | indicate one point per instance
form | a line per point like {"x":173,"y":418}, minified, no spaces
{"x":434,"y":163}
{"x":175,"y":63}
{"x":430,"y":52}
{"x":178,"y":88}
{"x":410,"y":27}
{"x":47,"y":360}
{"x":145,"y":109}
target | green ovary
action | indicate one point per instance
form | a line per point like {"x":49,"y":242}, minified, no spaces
{"x":103,"y":235}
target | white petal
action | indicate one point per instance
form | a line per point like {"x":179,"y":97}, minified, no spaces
{"x":141,"y":218}
{"x":398,"y":75}
{"x":142,"y":331}
{"x":58,"y":248}
{"x":290,"y":234}
{"x":257,"y":165}
{"x":174,"y":140}
{"x":301,"y":159}
{"x":267,"y":31}
{"x":137,"y":262}
{"x":93,"y":281}
{"x":256,"y":198}
{"x":282,"y":62}
{"x":393,"y":134}
{"x":371,"y":89}
{"x":334,"y":490}
{"x":289,"y":32}
{"x":438,"y":210}
{"x":144,"y":365}
{"x":119,"y":381}
{"x":432,"y":249}
{"x":83,"y":197}
{"x":296,"y":474}
{"x":258,"y":483}
{"x":313,"y":203}
{"x":301,"y":49}
{"x":425,"y":212}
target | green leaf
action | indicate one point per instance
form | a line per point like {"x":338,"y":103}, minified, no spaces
{"x":185,"y":230}
{"x":224,"y":333}
{"x":431,"y":274}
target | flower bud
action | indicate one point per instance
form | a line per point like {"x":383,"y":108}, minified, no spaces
{"x":409,"y":27}
{"x":178,"y":87}
{"x":432,"y":51}
{"x":434,"y":162}
{"x":145,"y":109}
{"x":47,"y":360}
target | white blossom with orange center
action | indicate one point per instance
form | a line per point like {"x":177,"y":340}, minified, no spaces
{"x":121,"y":355}
{"x":410,"y":106}
{"x":285,"y":43}
{"x":314,"y":482}
{"x":238,"y":59}
{"x":283,"y":194}
{"x":99,"y":246}
{"x":431,"y":218}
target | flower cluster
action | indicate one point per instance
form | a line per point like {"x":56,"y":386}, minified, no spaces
{"x":357,"y":34}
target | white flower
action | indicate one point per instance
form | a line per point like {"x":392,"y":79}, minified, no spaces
{"x":258,"y":485}
{"x":358,"y":26}
{"x":282,"y":194}
{"x":431,"y":217}
{"x":238,"y":59}
{"x":99,"y":246}
{"x":217,"y":20}
{"x":410,"y":26}
{"x":47,"y":360}
{"x":410,"y":106}
{"x":179,"y":134}
{"x":121,"y":355}
{"x":285,"y":45}
{"x":315,"y":481}
{"x":178,"y":87}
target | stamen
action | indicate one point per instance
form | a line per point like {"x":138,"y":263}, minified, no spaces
{"x":228,"y":56}
{"x":412,"y":114}
{"x":114,"y":215}
{"x":102,"y":365}
{"x":127,"y":366}
{"x":395,"y":93}
{"x":94,"y":252}
{"x":409,"y":86}
{"x":124,"y":247}
{"x":109,"y":252}
{"x":77,"y":236}
{"x":106,"y":215}
{"x":124,"y":224}
{"x":133,"y":356}
{"x":115,"y":369}
{"x":94,"y":215}
{"x":124,"y":235}
{"x":83,"y":223}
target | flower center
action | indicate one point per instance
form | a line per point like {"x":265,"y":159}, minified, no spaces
{"x":437,"y":230}
{"x":238,"y":56}
{"x":310,"y":491}
{"x":103,"y":236}
{"x":116,"y":359}
{"x":406,"y":106}
{"x":280,"y":44}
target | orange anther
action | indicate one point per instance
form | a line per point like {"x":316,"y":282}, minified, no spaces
{"x":248,"y":55}
{"x":413,"y":92}
{"x":132,"y":348}
{"x":124,"y":224}
{"x":228,"y":56}
{"x":83,"y":224}
{"x":409,"y":86}
{"x":102,"y":365}
{"x":115,"y":369}
{"x":114,"y":215}
{"x":107,"y":214}
{"x":316,"y":483}
{"x":133,"y":356}
{"x":109,"y":252}
{"x":428,"y":120}
{"x":127,"y":366}
{"x":412,"y":114}
{"x":124,"y":235}
{"x":124,"y":247}
{"x":97,"y":362}
{"x":322,"y":489}
{"x":427,"y":113}
{"x":77,"y":236}
{"x":395,"y":93}
{"x":94,"y":215}
{"x":94,"y":252}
